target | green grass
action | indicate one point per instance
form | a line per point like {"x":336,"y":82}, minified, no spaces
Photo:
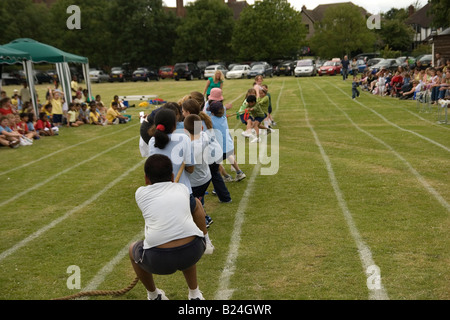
{"x":295,"y":241}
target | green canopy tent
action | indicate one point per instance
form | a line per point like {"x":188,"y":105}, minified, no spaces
{"x":44,"y":53}
{"x":12,"y":56}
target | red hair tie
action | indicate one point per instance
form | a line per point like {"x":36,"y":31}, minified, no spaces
{"x":161,"y":127}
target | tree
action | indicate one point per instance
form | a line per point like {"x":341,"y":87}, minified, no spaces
{"x":92,"y":40}
{"x":343,"y":30}
{"x":396,"y":34}
{"x":23,"y":19}
{"x":440,"y":10}
{"x":205,"y":33}
{"x":268,"y":29}
{"x":142,"y":33}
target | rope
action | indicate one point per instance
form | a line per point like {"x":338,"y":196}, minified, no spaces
{"x":113,"y":292}
{"x":101,"y":292}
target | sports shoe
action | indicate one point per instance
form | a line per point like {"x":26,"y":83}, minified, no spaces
{"x":24,"y":142}
{"x":246,"y":134}
{"x":198,"y":297}
{"x":14,"y":144}
{"x":209,"y":221}
{"x":255,"y":140}
{"x":116,"y":121}
{"x":240,"y":176}
{"x":227,"y":178}
{"x":161,"y":295}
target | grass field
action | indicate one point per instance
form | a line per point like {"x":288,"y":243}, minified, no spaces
{"x":362,"y":190}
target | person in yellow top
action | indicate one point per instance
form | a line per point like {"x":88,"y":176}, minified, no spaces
{"x":55,"y":99}
{"x":94,"y":115}
{"x":113,"y":115}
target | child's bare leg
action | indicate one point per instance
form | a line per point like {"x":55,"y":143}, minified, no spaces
{"x":190,"y":275}
{"x":145,"y":277}
{"x":199,"y":216}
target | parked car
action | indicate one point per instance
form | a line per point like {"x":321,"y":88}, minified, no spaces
{"x":98,"y":76}
{"x":8,"y":78}
{"x":263,"y":69}
{"x":426,"y":61}
{"x":119,"y":74}
{"x":330,"y":67}
{"x":41,"y":77}
{"x":144,"y":74}
{"x":373,"y":61}
{"x":166,"y":72}
{"x":211,"y":70}
{"x":305,"y":67}
{"x":390,"y":64}
{"x":239,"y":71}
{"x":285,"y":68}
{"x":367,"y":56}
{"x":187,"y":70}
{"x":362,"y":66}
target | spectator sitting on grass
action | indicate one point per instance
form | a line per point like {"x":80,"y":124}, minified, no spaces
{"x":113,"y":115}
{"x":83,"y":115}
{"x":7,"y":136}
{"x":43,"y":125}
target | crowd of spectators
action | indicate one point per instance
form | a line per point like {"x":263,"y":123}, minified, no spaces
{"x":410,"y":81}
{"x":20,"y":124}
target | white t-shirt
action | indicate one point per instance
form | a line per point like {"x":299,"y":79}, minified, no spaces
{"x":178,"y":150}
{"x":201,"y":174}
{"x":167,"y":213}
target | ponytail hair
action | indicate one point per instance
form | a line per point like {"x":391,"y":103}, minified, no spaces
{"x":165,"y":124}
{"x":193,"y":107}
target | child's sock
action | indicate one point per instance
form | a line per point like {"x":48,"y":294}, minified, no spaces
{"x":195,"y":294}
{"x":152,"y":295}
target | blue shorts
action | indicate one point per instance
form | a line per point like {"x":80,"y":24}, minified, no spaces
{"x":242,"y":119}
{"x":259,"y":119}
{"x":168,"y":260}
{"x":57,"y":118}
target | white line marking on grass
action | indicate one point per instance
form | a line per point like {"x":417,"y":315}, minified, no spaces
{"x":224,"y":292}
{"x":108,"y":268}
{"x":393,"y":124}
{"x":406,"y":109}
{"x":44,"y":229}
{"x":64,"y":149}
{"x":418,"y":176}
{"x":40,"y":184}
{"x":377,"y":293}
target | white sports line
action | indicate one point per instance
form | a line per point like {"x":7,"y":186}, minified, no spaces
{"x":377,"y":292}
{"x":64,"y":149}
{"x":44,"y":229}
{"x":224,"y":292}
{"x":40,"y":184}
{"x":393,"y":124}
{"x":418,"y":176}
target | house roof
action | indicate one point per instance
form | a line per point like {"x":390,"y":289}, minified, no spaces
{"x":318,"y":12}
{"x":420,"y":17}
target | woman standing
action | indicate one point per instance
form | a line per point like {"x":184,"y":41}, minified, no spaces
{"x":214,"y":82}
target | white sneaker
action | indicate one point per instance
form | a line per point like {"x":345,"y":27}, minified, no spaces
{"x":246,"y":134}
{"x":255,"y":140}
{"x":199,"y":296}
{"x":116,"y":121}
{"x":227,"y":179}
{"x":161,"y":295}
{"x":24,"y":142}
{"x":240,"y":176}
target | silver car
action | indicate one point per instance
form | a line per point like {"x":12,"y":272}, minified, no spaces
{"x":305,"y":67}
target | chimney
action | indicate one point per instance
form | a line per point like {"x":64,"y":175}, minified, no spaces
{"x":411,"y":10}
{"x":180,"y":9}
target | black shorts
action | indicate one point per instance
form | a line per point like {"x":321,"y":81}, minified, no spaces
{"x":57,"y":118}
{"x":165,"y":261}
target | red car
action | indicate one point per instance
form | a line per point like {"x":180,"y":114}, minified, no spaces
{"x":330,"y":67}
{"x":166,"y":72}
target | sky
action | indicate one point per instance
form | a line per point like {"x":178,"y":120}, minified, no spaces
{"x":371,"y":6}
